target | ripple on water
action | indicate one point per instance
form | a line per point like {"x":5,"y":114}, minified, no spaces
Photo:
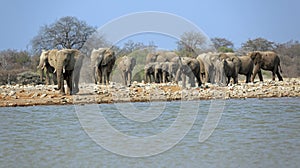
{"x":251,"y":132}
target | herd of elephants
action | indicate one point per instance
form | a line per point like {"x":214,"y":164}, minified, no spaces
{"x":160,"y":67}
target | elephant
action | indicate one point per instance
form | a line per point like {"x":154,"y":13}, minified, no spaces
{"x":267,"y":60}
{"x":189,"y":67}
{"x":214,"y":73}
{"x":158,"y":72}
{"x":246,"y":67}
{"x":126,"y":66}
{"x":149,"y":72}
{"x":237,"y":64}
{"x":48,"y":70}
{"x":102,"y":62}
{"x":63,"y":61}
{"x":203,"y":72}
{"x":76,"y":73}
{"x":229,"y":69}
{"x":161,"y":72}
{"x":161,"y":56}
{"x":172,"y":70}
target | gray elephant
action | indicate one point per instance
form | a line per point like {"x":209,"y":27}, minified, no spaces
{"x":246,"y":67}
{"x":189,"y":67}
{"x":48,"y":70}
{"x":161,"y":56}
{"x":63,"y":61}
{"x":158,"y":72}
{"x":161,"y":72}
{"x":229,"y":69}
{"x":214,"y":73}
{"x":150,"y":71}
{"x":76,"y":73}
{"x":236,"y":61}
{"x":267,"y":60}
{"x":203,"y":72}
{"x":102,"y":62}
{"x":126,"y":66}
{"x":173,"y":68}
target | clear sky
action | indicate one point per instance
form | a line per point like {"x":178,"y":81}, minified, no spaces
{"x":235,"y":20}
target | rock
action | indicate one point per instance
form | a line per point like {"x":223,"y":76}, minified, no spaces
{"x":43,"y":95}
{"x":12,"y":93}
{"x":35,"y":95}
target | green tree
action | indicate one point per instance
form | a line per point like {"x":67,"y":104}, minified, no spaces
{"x":258,"y":44}
{"x":67,"y":32}
{"x":222,"y":44}
{"x":225,"y":49}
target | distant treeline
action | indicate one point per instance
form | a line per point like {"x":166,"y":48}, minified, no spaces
{"x":85,"y":38}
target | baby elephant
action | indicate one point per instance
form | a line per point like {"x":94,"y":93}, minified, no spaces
{"x":126,"y":66}
{"x":229,"y":70}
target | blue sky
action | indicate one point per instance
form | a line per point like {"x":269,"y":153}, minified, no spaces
{"x":235,"y":20}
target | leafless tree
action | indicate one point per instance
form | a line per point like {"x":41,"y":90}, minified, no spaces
{"x":193,"y":43}
{"x":67,"y":32}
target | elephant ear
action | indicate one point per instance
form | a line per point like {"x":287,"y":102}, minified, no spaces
{"x":256,"y":57}
{"x":108,"y":57}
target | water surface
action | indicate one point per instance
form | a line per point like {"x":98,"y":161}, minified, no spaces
{"x":251,"y":133}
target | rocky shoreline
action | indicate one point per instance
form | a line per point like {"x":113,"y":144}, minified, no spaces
{"x":31,"y":95}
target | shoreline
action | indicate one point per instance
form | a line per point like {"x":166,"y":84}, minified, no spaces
{"x":30,"y":95}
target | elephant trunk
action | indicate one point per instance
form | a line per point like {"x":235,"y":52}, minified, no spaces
{"x":42,"y":64}
{"x":60,"y":78}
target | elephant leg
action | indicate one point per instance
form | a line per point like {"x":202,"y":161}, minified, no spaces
{"x":279,"y":76}
{"x":255,"y":71}
{"x":94,"y":75}
{"x":146,"y":78}
{"x":129,"y":77}
{"x":248,"y":78}
{"x":54,"y":78}
{"x":107,"y":74}
{"x":125,"y":78}
{"x":47,"y":78}
{"x":192,"y":80}
{"x":183,"y":77}
{"x":236,"y":79}
{"x":260,"y":76}
{"x":276,"y":71}
{"x":228,"y":80}
{"x":99,"y":76}
{"x":41,"y":72}
{"x":199,"y":80}
{"x":273,"y":76}
{"x":164,"y":74}
{"x":69,"y":77}
{"x":60,"y":83}
{"x":177,"y":76}
{"x":75,"y":82}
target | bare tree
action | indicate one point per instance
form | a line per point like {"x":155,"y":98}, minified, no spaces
{"x":289,"y":53}
{"x":192,"y":43}
{"x":67,"y":32}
